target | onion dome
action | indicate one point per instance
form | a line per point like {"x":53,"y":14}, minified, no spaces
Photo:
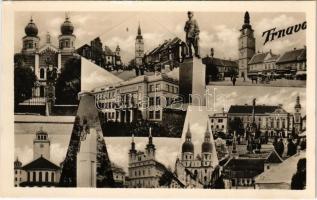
{"x":17,"y":164}
{"x":31,"y":29}
{"x":188,"y":145}
{"x":206,"y":146}
{"x":67,"y":27}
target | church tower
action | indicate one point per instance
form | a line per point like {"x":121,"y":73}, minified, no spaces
{"x":150,"y":147}
{"x":206,"y":148}
{"x":297,"y":116}
{"x":187,"y":148}
{"x":139,"y":48}
{"x":118,"y":50}
{"x":30,"y":40}
{"x":132,"y":152}
{"x":246,"y":46}
{"x":67,"y":39}
{"x":41,"y":145}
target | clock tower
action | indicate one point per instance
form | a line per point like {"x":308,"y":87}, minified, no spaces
{"x":139,"y":48}
{"x":41,"y":145}
{"x":246,"y":46}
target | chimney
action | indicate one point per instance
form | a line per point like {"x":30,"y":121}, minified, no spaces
{"x":212,"y":52}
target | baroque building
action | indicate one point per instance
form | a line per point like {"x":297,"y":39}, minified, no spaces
{"x":47,"y":56}
{"x":202,"y":167}
{"x":246,"y":46}
{"x":144,"y":170}
{"x":41,"y":171}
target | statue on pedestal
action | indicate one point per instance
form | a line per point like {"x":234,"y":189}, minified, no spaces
{"x":192,"y":35}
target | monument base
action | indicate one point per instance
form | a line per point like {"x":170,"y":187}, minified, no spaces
{"x":192,"y":85}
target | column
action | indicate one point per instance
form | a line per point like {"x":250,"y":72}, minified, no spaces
{"x":37,"y":66}
{"x":59,"y":62}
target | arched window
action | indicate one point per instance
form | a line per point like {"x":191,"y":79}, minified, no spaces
{"x":40,"y":177}
{"x":42,"y":73}
{"x":34,"y":177}
{"x":46,"y":176}
{"x":52,"y":177}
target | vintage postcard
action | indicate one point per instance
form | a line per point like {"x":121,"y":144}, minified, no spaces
{"x":172,"y":98}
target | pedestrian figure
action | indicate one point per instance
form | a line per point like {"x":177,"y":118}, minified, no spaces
{"x":291,"y":148}
{"x":280,"y":147}
{"x":234,"y":81}
{"x":192,"y":34}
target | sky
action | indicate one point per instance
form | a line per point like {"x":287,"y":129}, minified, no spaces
{"x":219,"y":30}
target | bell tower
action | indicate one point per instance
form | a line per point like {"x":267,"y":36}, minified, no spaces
{"x":67,"y":39}
{"x":297,"y":116}
{"x":139,"y":48}
{"x":31,"y":39}
{"x":41,"y":145}
{"x":246,"y":46}
{"x":150,"y":147}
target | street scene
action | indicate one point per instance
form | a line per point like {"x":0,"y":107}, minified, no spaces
{"x":149,"y":100}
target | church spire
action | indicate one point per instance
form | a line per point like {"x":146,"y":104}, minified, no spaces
{"x":297,"y":105}
{"x":132,"y":144}
{"x":188,"y":133}
{"x":139,"y":29}
{"x":246,"y":21}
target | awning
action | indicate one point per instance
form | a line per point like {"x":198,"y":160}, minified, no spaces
{"x":300,"y":73}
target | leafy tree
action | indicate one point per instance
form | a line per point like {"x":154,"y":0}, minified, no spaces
{"x":68,"y":83}
{"x":24,"y":79}
{"x":236,"y":125}
{"x":299,"y":178}
{"x":166,"y":178}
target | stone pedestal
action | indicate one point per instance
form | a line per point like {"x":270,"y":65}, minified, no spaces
{"x":192,"y":85}
{"x":87,"y":160}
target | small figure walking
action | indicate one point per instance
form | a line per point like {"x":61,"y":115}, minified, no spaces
{"x":234,"y":80}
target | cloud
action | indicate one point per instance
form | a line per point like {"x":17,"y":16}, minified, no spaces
{"x":58,"y":153}
{"x":224,"y":40}
{"x":283,"y":44}
{"x":24,"y":153}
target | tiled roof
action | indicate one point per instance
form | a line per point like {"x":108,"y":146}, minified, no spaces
{"x":258,"y":58}
{"x":219,"y":62}
{"x":108,"y":51}
{"x":40,"y":164}
{"x":293,"y":56}
{"x":259,"y":109}
{"x":273,"y":158}
{"x":283,"y":172}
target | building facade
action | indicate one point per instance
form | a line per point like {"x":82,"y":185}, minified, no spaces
{"x":144,"y":170}
{"x":139,"y":48}
{"x":203,"y":167}
{"x":218,"y":69}
{"x":126,"y":101}
{"x":219,"y":122}
{"x":262,"y":64}
{"x":246,"y":46}
{"x":43,"y":58}
{"x":19,"y":174}
{"x":293,"y":64}
{"x":166,"y":56}
{"x":40,"y":172}
{"x":101,"y":56}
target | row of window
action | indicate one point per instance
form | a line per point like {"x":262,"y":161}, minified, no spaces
{"x":40,"y":178}
{"x":168,"y":88}
{"x":155,"y":114}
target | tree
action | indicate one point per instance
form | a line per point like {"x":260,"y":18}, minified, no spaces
{"x":68,"y":83}
{"x":24,"y":79}
{"x":291,"y":148}
{"x":236,"y":125}
{"x":166,"y":178}
{"x":299,"y":178}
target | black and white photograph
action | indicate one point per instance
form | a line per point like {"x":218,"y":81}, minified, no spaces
{"x":184,"y":99}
